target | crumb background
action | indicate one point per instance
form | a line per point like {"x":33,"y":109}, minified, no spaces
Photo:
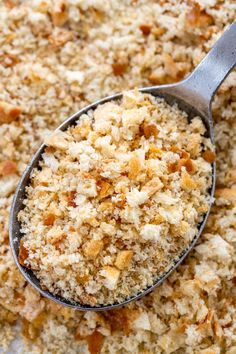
{"x":56,"y":57}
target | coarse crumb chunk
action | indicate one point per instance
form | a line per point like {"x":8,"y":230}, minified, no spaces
{"x":7,"y":167}
{"x":111,"y":275}
{"x":123,"y":259}
{"x":8,"y":112}
{"x":93,"y":248}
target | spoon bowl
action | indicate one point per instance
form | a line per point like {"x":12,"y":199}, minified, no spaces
{"x":192,"y":95}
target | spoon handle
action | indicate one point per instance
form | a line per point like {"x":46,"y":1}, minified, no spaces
{"x":213,"y":69}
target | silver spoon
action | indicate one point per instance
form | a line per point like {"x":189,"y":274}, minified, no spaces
{"x":193,"y":95}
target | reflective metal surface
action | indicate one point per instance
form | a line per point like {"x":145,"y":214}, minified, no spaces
{"x":193,"y":95}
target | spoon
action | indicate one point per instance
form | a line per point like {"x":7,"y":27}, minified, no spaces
{"x":194,"y":96}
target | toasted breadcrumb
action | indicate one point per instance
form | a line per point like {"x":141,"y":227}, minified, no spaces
{"x":120,"y":177}
{"x":123,"y":259}
{"x":186,"y":314}
{"x":93,"y":248}
{"x":8,"y":112}
{"x":7,"y":167}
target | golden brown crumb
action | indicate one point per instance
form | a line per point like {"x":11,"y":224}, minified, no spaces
{"x":134,"y":167}
{"x":10,"y":3}
{"x":197,"y":17}
{"x":61,"y":37}
{"x":189,"y":165}
{"x":106,"y":206}
{"x":59,"y":13}
{"x":28,"y":330}
{"x":154,"y":151}
{"x":152,"y":186}
{"x":71,"y":199}
{"x":209,"y":156}
{"x":82,"y":279}
{"x":9,"y":60}
{"x":94,"y":341}
{"x":226,"y":193}
{"x":182,"y":153}
{"x":155,"y":78}
{"x":149,"y":129}
{"x":93,"y":248}
{"x":105,"y":189}
{"x":83,"y":129}
{"x":121,"y":319}
{"x":119,"y":68}
{"x":231,"y":175}
{"x":23,"y":253}
{"x":87,"y":299}
{"x":49,"y":219}
{"x":8,"y":112}
{"x":187,"y":181}
{"x":123,"y":259}
{"x":7,"y":167}
{"x":146,"y":29}
{"x":170,"y":66}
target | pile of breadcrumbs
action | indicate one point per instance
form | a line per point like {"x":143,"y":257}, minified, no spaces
{"x":116,"y":199}
{"x":55,"y":57}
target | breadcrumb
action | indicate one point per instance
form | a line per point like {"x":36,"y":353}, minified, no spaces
{"x":115,"y":249}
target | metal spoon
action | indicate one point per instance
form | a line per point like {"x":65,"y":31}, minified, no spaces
{"x":193,"y":95}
